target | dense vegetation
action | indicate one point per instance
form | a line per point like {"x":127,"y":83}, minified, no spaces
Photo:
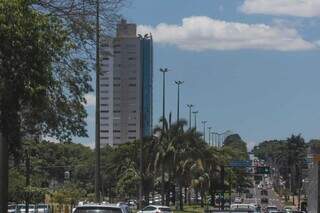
{"x":288,"y":158}
{"x":177,"y":157}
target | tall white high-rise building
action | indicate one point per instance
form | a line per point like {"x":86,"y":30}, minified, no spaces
{"x":126,"y":86}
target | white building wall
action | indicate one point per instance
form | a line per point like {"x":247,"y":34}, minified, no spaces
{"x":106,"y":91}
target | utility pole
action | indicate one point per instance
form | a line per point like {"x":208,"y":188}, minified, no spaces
{"x":164,"y":71}
{"x":195,"y":119}
{"x":190,"y":108}
{"x":4,"y":168}
{"x":204,"y":130}
{"x":178,"y":83}
{"x":97,"y":141}
{"x":209,"y":128}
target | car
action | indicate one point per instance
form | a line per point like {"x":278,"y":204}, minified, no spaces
{"x":237,"y":200}
{"x":243,"y":207}
{"x":271,"y":209}
{"x":264,"y":200}
{"x":102,"y":208}
{"x":264,"y":192}
{"x":21,"y":208}
{"x":11,"y":208}
{"x":43,"y":208}
{"x":155,"y":209}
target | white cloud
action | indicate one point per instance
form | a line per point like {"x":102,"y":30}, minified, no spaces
{"x":91,"y":99}
{"x":299,"y":8}
{"x":200,"y":33}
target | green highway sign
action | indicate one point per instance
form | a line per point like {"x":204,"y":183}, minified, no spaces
{"x":263,"y":170}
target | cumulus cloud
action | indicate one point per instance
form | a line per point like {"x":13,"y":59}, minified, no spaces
{"x":299,"y":8}
{"x":91,"y":99}
{"x":200,"y":33}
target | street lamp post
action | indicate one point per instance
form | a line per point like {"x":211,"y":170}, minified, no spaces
{"x":195,"y":119}
{"x":204,"y":130}
{"x":178,"y":83}
{"x":212,"y":139}
{"x":209,"y":128}
{"x":190,"y":108}
{"x":164,"y":71}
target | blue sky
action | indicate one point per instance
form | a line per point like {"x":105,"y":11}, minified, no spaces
{"x":253,"y":68}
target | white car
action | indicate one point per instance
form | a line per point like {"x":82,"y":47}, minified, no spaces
{"x":11,"y":208}
{"x":243,"y":207}
{"x":21,"y":208}
{"x":155,"y":209}
{"x":102,"y":208}
{"x":42,"y":208}
{"x":237,"y":200}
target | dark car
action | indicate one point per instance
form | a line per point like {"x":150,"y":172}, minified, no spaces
{"x":264,"y":200}
{"x":264,"y":192}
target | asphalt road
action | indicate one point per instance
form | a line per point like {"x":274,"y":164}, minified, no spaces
{"x":273,"y":199}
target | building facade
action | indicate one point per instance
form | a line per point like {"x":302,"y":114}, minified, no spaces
{"x":126,"y":86}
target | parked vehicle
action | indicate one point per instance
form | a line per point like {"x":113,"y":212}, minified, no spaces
{"x":11,"y":208}
{"x":102,"y":208}
{"x":155,"y":209}
{"x":21,"y":208}
{"x":43,"y":208}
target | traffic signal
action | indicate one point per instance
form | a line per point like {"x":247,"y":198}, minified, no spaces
{"x":263,"y":170}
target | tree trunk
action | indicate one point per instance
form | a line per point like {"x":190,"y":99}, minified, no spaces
{"x":180,"y":196}
{"x":162,"y":184}
{"x":185,"y":195}
{"x":4,"y":171}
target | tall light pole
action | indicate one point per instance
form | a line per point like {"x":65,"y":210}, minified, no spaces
{"x":178,"y":83}
{"x":209,"y":128}
{"x":212,"y":139}
{"x":97,"y":135}
{"x":195,"y":119}
{"x":204,"y":130}
{"x":190,"y":109}
{"x":164,"y":71}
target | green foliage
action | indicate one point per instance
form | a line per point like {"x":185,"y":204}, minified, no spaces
{"x":43,"y":82}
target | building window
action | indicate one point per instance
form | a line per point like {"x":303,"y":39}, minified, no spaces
{"x":116,"y":137}
{"x":105,"y":78}
{"x":105,"y":98}
{"x":116,"y":98}
{"x":116,"y":85}
{"x":116,"y":130}
{"x":132,"y":131}
{"x":104,"y":118}
{"x":106,"y":58}
{"x":104,"y":124}
{"x":131,"y":124}
{"x":116,"y":78}
{"x":116,"y":111}
{"x":131,"y":58}
{"x":132,"y":137}
{"x":116,"y":52}
{"x":104,"y":137}
{"x":104,"y":130}
{"x":104,"y":91}
{"x":134,"y":111}
{"x":104,"y":85}
{"x":132,"y":85}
